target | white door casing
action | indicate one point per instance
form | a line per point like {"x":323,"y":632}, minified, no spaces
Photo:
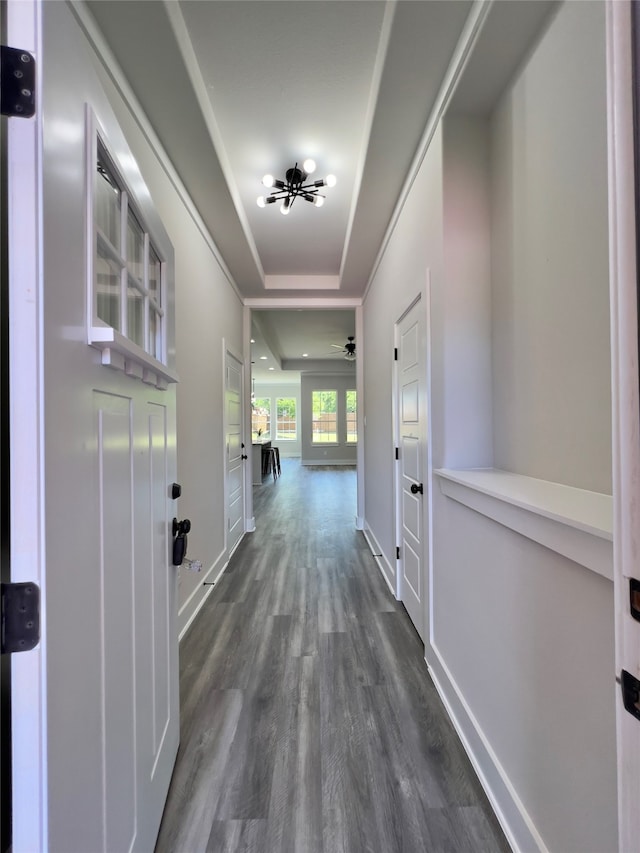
{"x":96,"y":705}
{"x":28,"y":670}
{"x":625,"y":402}
{"x":234,"y":451}
{"x":411,"y":430}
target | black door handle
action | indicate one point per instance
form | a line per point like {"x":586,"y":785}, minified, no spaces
{"x":415,"y":488}
{"x":180,"y":530}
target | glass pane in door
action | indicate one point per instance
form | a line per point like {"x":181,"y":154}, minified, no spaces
{"x":108,"y":290}
{"x":135,"y":316}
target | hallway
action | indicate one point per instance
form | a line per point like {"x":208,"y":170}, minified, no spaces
{"x":308,"y":720}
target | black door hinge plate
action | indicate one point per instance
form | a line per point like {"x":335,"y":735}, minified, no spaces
{"x":397,"y":453}
{"x":630,"y":693}
{"x":634,"y":598}
{"x":20,"y":617}
{"x":17,"y":83}
{"x":397,"y":552}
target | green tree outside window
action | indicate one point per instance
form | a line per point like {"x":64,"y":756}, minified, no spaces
{"x":352,"y":417}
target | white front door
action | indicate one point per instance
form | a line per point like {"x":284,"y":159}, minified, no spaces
{"x":93,"y":453}
{"x":236,"y":452}
{"x":411,"y":485}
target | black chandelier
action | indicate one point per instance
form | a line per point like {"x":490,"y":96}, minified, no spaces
{"x":295,"y":186}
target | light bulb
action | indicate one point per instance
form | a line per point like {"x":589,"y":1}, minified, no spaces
{"x":261,"y":201}
{"x":319,"y":200}
{"x":268,"y":180}
{"x":286,"y":207}
{"x":330,"y":180}
{"x":309,"y":166}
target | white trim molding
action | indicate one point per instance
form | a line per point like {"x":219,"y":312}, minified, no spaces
{"x":573,"y":522}
{"x":191,"y":607}
{"x":514,"y":819}
{"x":386,"y":569}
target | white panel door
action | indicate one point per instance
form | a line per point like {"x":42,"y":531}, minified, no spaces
{"x":95,"y":705}
{"x":235,"y":452}
{"x":412,"y":491}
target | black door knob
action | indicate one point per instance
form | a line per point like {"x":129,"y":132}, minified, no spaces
{"x":244,"y":456}
{"x":415,"y":488}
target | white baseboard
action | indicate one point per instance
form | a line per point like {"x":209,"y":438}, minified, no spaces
{"x":193,"y":604}
{"x":386,"y":570}
{"x":514,"y":819}
{"x":250,"y":524}
{"x":311,"y":462}
{"x":359,"y":522}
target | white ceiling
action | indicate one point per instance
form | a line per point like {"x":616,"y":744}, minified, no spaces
{"x":238,"y":88}
{"x":296,"y":340}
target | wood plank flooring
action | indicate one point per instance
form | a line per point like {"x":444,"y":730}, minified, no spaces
{"x":309,"y":723}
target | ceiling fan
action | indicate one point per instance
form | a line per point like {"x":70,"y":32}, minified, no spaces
{"x":349,"y":349}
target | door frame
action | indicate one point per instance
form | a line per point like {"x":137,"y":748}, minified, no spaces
{"x":293,"y":304}
{"x":26,"y":426}
{"x":424,"y":298}
{"x":228,"y":351}
{"x":624,"y":244}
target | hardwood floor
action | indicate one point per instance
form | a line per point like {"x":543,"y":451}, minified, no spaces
{"x":309,"y":721}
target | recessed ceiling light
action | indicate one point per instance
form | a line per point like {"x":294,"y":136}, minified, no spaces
{"x":272,"y":368}
{"x":252,"y":341}
{"x":263,"y":358}
{"x":305,"y":355}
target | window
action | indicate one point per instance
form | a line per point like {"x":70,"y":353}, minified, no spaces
{"x":261,"y":418}
{"x":325,"y":424}
{"x":127,"y":290}
{"x":351,"y":417}
{"x":286,"y":424}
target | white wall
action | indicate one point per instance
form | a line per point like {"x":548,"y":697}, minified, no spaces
{"x":330,"y":454}
{"x":288,"y":449}
{"x":207,"y":311}
{"x":509,"y":215}
{"x":465,"y":349}
{"x":552,"y":394}
{"x":414,"y":252}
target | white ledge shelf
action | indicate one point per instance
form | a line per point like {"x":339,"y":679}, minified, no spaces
{"x":122,"y":354}
{"x":573,"y":522}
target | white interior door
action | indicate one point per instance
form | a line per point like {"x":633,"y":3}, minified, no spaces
{"x":93,"y":451}
{"x":412,"y":488}
{"x":235,"y":452}
{"x":622,"y":89}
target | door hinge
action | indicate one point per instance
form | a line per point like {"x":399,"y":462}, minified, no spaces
{"x":17,"y":82}
{"x":397,"y":453}
{"x":397,"y":552}
{"x":395,"y":354}
{"x":20,"y":617}
{"x":634,"y":598}
{"x":630,"y":693}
